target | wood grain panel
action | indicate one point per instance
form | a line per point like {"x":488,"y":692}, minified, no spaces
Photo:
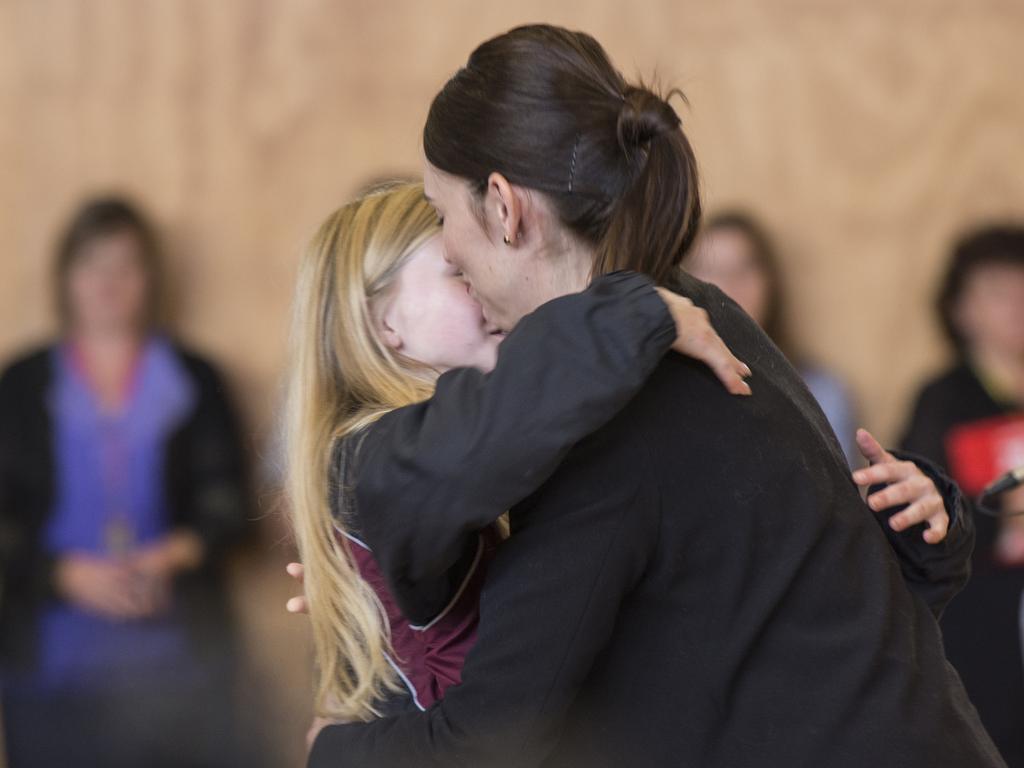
{"x":865,"y":135}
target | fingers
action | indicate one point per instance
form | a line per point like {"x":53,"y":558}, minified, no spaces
{"x":118,"y":592}
{"x":871,"y":449}
{"x":297,"y":605}
{"x":729,"y":370}
{"x":887,"y":472}
{"x":936,"y":533}
{"x":905,"y":485}
{"x":696,"y":338}
{"x":923,"y":502}
{"x":121,"y":602}
{"x":908,"y":491}
{"x":927,"y":510}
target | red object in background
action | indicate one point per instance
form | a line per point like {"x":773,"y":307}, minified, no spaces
{"x":981,"y":451}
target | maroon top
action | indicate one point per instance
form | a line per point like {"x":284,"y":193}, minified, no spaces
{"x":429,"y":658}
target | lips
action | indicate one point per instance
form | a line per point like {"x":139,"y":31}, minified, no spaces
{"x":492,"y":329}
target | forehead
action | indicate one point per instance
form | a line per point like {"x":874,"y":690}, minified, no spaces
{"x":117,"y":242}
{"x":429,"y":179}
{"x":723,"y":247}
{"x":996,"y":272}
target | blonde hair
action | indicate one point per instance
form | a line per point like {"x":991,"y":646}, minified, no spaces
{"x":343,"y":378}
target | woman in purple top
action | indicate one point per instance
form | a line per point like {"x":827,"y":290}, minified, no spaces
{"x":120,"y":486}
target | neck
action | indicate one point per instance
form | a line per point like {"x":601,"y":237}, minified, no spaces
{"x":105,"y":338}
{"x":106,"y":350}
{"x":566,"y":270}
{"x":1003,"y":371}
{"x":108,"y":358}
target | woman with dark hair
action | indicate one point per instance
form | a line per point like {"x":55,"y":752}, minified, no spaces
{"x":699,"y":581}
{"x":971,"y":420}
{"x":121,"y":486}
{"x":735,"y":253}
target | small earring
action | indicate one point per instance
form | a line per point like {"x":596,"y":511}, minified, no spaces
{"x":507,"y":240}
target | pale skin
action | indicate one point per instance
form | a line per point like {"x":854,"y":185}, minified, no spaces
{"x":106,"y":294}
{"x":520,"y":257}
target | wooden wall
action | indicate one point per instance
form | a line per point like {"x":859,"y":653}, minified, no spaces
{"x":865,"y":134}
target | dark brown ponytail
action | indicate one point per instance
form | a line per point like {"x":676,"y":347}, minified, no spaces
{"x":544,"y":107}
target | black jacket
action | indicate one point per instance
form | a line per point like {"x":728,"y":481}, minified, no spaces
{"x":205,"y":483}
{"x":697,"y":583}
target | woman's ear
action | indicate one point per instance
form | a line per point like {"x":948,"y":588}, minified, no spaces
{"x":506,"y":204}
{"x":387,"y":326}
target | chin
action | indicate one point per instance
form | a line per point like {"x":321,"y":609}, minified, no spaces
{"x":488,"y":361}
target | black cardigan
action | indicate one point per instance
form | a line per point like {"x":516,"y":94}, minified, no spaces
{"x":205,"y":484}
{"x":698,"y":583}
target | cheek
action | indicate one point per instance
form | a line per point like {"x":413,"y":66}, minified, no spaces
{"x":458,"y":333}
{"x":86,"y":291}
{"x":437,"y":329}
{"x":459,"y":317}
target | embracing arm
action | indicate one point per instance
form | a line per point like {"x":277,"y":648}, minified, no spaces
{"x":924,"y":517}
{"x":548,"y":609}
{"x":429,"y":475}
{"x":934,"y":572}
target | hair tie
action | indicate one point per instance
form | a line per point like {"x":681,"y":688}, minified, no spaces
{"x":572,"y":162}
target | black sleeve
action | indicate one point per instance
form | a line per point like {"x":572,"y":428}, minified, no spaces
{"x":210,"y":484}
{"x":26,"y":569}
{"x":10,"y":535}
{"x":14,"y":545}
{"x":934,"y":572}
{"x":430,"y":475}
{"x":547,"y":611}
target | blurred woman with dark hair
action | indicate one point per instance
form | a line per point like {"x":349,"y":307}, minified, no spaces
{"x":735,"y":253}
{"x":121,"y":484}
{"x":971,"y":419}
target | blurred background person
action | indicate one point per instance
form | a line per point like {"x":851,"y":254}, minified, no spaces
{"x":121,"y":488}
{"x":735,"y":253}
{"x":971,"y":420}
